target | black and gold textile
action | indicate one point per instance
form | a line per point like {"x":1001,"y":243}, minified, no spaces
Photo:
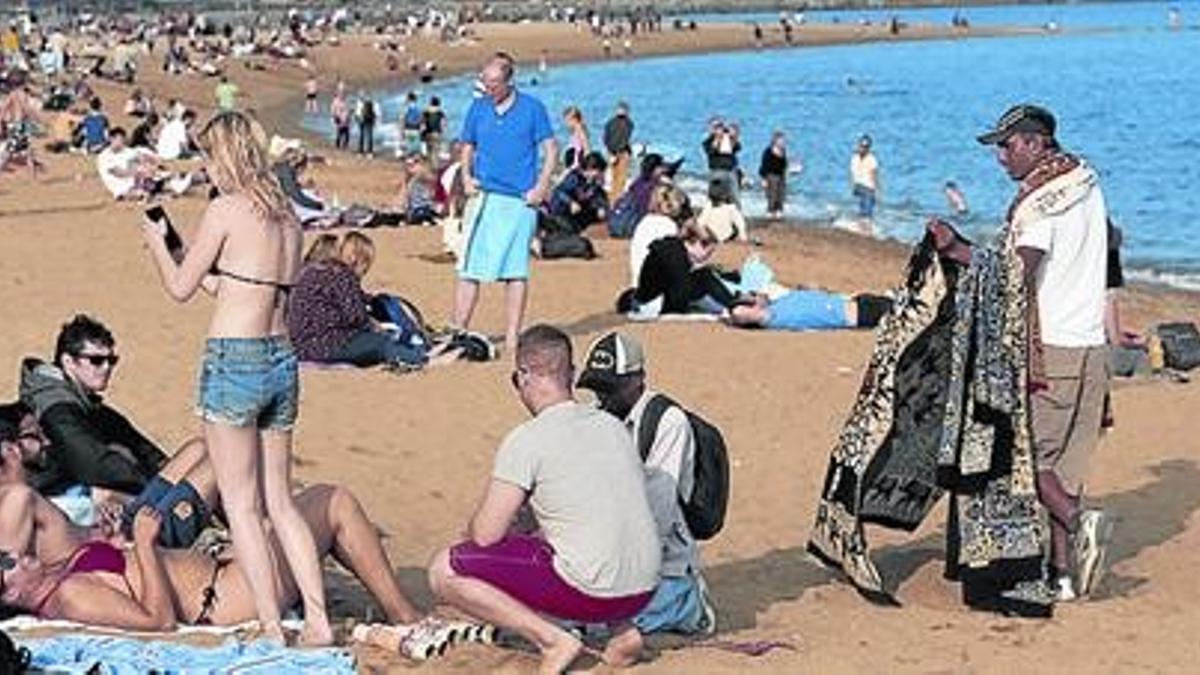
{"x":943,"y":408}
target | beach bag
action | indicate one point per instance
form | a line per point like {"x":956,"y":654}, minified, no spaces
{"x":705,"y":509}
{"x":402,"y":317}
{"x":1180,"y":345}
{"x":474,"y":346}
{"x":624,"y":217}
{"x":559,"y":244}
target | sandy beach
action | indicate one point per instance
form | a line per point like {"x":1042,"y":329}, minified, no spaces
{"x":417,"y":448}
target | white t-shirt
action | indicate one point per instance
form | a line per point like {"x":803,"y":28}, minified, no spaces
{"x":587,"y":488}
{"x":172,"y":140}
{"x":121,"y":160}
{"x":863,"y":169}
{"x":651,"y":228}
{"x":725,"y":222}
{"x":1071,"y":281}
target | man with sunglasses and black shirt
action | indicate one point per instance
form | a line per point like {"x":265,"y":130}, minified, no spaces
{"x":90,"y":442}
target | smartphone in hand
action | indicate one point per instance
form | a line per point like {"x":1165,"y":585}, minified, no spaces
{"x":171,"y":237}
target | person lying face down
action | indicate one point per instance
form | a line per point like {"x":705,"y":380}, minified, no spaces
{"x":805,"y":309}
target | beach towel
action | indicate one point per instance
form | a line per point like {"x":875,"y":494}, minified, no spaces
{"x":109,"y":655}
{"x":943,"y":408}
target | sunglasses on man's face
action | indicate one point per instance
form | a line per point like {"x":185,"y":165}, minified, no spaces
{"x":31,"y":436}
{"x":98,"y":360}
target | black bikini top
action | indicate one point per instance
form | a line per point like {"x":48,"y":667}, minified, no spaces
{"x":285,"y":289}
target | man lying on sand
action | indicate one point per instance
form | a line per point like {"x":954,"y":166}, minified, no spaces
{"x":62,"y":571}
{"x":804,"y":309}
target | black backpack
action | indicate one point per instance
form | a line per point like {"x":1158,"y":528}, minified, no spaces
{"x":559,"y":244}
{"x":1180,"y":344}
{"x":705,"y":509}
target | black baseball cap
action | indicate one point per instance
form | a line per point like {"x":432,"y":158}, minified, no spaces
{"x":610,"y":358}
{"x":1020,"y":118}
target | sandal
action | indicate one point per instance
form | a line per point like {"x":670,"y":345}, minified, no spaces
{"x":419,"y":641}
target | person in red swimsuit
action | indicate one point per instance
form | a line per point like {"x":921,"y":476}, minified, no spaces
{"x":77,"y":574}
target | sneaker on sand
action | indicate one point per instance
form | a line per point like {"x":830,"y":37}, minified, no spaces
{"x":1091,"y":548}
{"x":1064,"y":590}
{"x":708,"y":624}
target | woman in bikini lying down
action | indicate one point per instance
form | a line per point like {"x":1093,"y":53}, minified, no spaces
{"x":141,"y":587}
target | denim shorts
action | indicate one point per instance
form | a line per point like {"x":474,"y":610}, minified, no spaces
{"x":248,"y":382}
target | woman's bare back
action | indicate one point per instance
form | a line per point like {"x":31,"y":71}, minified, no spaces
{"x":255,"y":269}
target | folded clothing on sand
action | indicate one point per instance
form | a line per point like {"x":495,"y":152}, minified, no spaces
{"x":117,"y":655}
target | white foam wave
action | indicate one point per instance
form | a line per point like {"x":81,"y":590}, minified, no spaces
{"x":1188,"y":281}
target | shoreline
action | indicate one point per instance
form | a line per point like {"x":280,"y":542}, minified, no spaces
{"x":714,"y":38}
{"x":284,"y":117}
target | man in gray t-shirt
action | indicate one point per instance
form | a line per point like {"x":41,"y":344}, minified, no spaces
{"x":596,"y":556}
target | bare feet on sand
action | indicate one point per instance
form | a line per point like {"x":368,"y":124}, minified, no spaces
{"x":624,"y":648}
{"x":269,"y":632}
{"x":557,"y":657}
{"x":316,"y":633}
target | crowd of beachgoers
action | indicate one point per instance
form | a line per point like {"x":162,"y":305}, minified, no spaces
{"x":593,"y":513}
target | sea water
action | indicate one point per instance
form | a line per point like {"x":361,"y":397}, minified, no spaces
{"x":1124,"y":87}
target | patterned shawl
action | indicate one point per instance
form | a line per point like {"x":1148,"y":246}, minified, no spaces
{"x":1055,"y":184}
{"x":943,"y":407}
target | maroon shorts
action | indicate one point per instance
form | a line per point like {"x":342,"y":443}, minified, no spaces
{"x":523,"y":567}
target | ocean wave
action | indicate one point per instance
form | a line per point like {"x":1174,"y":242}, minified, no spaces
{"x":1187,"y":281}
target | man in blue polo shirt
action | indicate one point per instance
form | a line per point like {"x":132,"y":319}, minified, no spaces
{"x":502,"y":135}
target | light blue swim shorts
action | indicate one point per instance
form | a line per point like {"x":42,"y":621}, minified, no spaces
{"x":498,"y":236}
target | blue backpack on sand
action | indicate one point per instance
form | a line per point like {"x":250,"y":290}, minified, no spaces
{"x":404,"y":318}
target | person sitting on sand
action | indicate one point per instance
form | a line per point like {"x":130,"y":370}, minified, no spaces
{"x":77,"y":574}
{"x":328,"y":313}
{"x":675,"y":276}
{"x":420,"y":193}
{"x":629,"y":208}
{"x":95,"y":127}
{"x":596,"y":556}
{"x":65,"y":133}
{"x":615,"y":371}
{"x":93,"y":443}
{"x":142,"y":136}
{"x":138,"y":104}
{"x":579,"y":200}
{"x":309,"y":205}
{"x":175,"y":139}
{"x":135,"y":173}
{"x":722,"y":216}
{"x":668,"y":207}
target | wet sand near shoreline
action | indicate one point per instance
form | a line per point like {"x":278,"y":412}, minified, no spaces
{"x":417,"y":448}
